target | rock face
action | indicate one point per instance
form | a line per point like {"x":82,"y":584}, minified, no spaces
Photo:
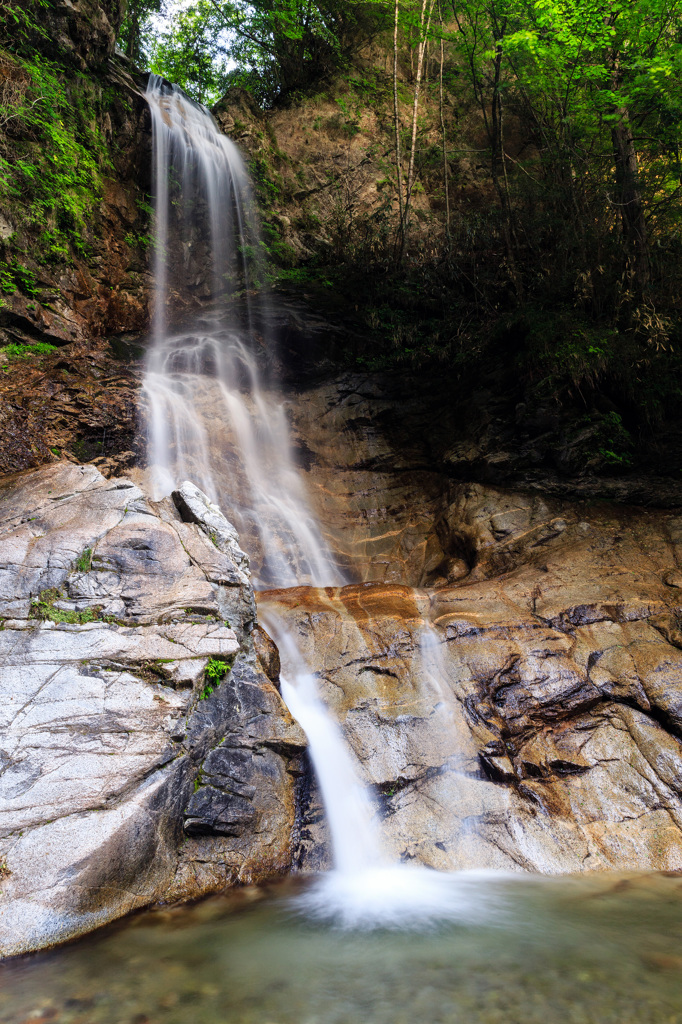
{"x":82,"y":32}
{"x":81,"y":298}
{"x":145,"y":754}
{"x":80,"y":400}
{"x":521,"y":710}
{"x":373,"y":477}
{"x":384,"y":457}
{"x":79,"y":403}
{"x":332,"y":144}
{"x":528,"y":716}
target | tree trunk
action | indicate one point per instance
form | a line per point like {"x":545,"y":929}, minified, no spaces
{"x":635,"y":233}
{"x":442,"y":129}
{"x":133,"y":43}
{"x":396,"y":114}
{"x":502,"y":187}
{"x":424,"y":25}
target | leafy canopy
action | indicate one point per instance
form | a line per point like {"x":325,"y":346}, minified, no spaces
{"x":272,"y":47}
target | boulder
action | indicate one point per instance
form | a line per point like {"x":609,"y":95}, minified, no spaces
{"x":132,"y":706}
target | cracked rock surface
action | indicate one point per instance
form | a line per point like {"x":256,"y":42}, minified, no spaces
{"x":528,"y":715}
{"x":123,"y":779}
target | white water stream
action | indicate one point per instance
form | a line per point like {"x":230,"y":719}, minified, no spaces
{"x":364,"y":890}
{"x":211,"y":419}
{"x":203,"y":385}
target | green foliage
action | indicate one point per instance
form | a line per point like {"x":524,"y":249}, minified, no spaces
{"x":135,"y":30}
{"x":597,"y":90}
{"x":371,"y":86}
{"x":13,"y":276}
{"x":51,"y":159}
{"x":138,"y":240}
{"x":561,"y":352}
{"x":268,"y":181}
{"x":21,"y":22}
{"x":276,"y":251}
{"x":275,"y":48}
{"x":44,"y":608}
{"x":216,"y":669}
{"x":615,"y":442}
{"x":18,"y":350}
{"x":348,"y":124}
{"x":214,"y":673}
{"x":601,"y":442}
{"x":308,"y":278}
{"x":7,"y":283}
{"x":191,"y":54}
{"x":84,"y":561}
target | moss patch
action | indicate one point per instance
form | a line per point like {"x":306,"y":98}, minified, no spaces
{"x":52,"y":158}
{"x":44,"y":608}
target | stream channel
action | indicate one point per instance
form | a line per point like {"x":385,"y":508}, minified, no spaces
{"x":372,"y":939}
{"x":529,"y":951}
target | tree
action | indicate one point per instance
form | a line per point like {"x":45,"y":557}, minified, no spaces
{"x":273,"y":47}
{"x":192,"y":52}
{"x":598,"y":85}
{"x":423,"y":29}
{"x":134,"y":27}
{"x":417,"y":18}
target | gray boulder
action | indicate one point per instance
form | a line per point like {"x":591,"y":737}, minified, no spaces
{"x":144,"y":753}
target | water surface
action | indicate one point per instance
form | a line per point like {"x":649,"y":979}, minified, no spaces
{"x":529,"y":951}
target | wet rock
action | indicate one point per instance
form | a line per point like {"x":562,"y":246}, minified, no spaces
{"x":267,"y":654}
{"x":194,"y":507}
{"x":527,"y":717}
{"x":218,"y":812}
{"x":114,"y":750}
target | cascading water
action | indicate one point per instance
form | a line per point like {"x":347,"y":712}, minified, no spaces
{"x":212,"y":420}
{"x":350,"y":814}
{"x":364,"y":890}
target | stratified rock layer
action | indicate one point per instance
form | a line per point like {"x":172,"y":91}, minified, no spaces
{"x":528,"y":716}
{"x":385,"y":458}
{"x":127,"y":773}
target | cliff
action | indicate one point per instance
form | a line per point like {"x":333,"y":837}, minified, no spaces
{"x":529,"y":398}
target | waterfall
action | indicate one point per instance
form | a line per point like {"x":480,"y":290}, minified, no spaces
{"x":350,"y":814}
{"x":214,"y":420}
{"x":364,"y":889}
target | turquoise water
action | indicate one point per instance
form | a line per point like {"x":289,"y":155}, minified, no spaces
{"x":599,"y":950}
